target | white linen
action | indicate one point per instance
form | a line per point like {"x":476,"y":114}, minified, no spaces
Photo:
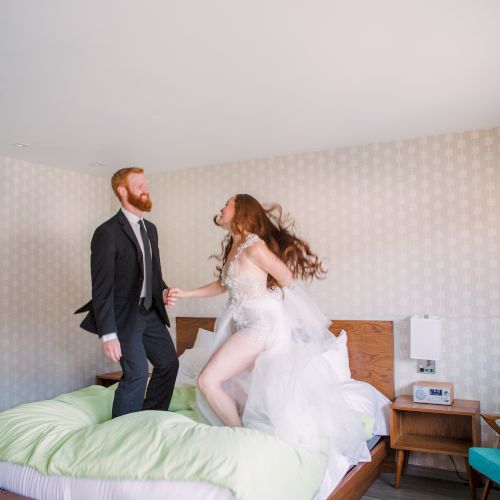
{"x":191,"y":362}
{"x":29,"y":482}
{"x":363,"y":397}
{"x":204,"y":339}
{"x":339,"y":358}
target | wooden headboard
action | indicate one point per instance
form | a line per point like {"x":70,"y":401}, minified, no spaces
{"x":370,"y":345}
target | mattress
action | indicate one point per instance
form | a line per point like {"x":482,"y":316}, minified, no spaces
{"x":28,"y":482}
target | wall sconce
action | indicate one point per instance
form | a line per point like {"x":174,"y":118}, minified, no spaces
{"x":425,"y":342}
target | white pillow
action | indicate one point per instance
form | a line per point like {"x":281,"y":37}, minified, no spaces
{"x":338,"y":358}
{"x":203,"y":339}
{"x":363,"y":397}
{"x":191,"y":362}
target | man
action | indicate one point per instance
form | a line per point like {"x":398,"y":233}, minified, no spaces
{"x":127,"y":309}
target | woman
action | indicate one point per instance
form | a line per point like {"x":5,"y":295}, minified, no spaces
{"x":267,"y":367}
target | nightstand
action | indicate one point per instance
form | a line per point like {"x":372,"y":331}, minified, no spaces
{"x":109,"y":378}
{"x":447,"y":430}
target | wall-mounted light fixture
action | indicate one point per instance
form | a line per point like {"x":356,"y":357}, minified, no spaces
{"x":425,"y":342}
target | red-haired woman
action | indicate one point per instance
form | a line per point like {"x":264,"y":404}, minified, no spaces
{"x":266,"y":367}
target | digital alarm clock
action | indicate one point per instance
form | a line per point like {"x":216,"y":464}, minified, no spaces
{"x":438,"y":393}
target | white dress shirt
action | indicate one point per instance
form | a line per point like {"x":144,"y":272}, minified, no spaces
{"x":134,"y":223}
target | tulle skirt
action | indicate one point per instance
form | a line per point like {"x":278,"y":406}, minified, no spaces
{"x":292,"y":390}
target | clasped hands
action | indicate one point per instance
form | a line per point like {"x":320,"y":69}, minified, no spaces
{"x":170,"y":296}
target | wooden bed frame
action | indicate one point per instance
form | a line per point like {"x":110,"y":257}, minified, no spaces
{"x":371,"y":358}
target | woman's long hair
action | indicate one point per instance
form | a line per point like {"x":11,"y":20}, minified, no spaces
{"x":277,"y":232}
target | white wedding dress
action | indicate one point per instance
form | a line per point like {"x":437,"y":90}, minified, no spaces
{"x":292,"y":390}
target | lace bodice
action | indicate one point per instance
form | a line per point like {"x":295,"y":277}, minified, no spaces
{"x":243,"y":281}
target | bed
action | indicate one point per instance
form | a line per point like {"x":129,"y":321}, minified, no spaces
{"x":87,"y":424}
{"x":371,"y":359}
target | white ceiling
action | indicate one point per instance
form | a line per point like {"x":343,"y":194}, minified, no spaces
{"x":170,"y":84}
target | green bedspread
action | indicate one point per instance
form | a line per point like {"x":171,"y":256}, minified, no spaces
{"x":73,"y":435}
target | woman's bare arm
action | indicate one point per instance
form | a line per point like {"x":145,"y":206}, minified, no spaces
{"x":209,"y":290}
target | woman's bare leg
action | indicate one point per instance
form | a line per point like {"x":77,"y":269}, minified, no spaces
{"x":237,"y":354}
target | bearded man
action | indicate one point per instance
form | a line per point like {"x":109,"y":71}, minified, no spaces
{"x":127,"y":310}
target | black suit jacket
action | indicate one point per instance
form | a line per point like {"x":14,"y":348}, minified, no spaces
{"x":117,"y":275}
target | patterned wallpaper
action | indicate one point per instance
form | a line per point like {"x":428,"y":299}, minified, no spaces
{"x":408,"y":227}
{"x":47,"y":219}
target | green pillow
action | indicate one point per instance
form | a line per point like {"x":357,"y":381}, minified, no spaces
{"x":182,"y":398}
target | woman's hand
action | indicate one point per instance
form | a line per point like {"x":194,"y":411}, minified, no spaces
{"x":170,"y":296}
{"x":177,"y":293}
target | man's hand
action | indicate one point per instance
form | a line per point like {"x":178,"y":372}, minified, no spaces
{"x":112,"y":349}
{"x":168,"y":299}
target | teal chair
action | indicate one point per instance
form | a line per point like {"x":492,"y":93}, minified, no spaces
{"x":486,"y":461}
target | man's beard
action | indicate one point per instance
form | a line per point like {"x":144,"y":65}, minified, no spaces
{"x":142,"y":202}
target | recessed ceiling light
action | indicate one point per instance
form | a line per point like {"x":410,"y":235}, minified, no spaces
{"x":21,"y":145}
{"x":97,"y":164}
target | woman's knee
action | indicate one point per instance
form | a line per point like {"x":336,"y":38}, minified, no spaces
{"x":207,"y":381}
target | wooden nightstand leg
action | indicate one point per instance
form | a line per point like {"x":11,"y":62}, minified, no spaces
{"x":405,"y":463}
{"x":399,"y":467}
{"x":472,"y":489}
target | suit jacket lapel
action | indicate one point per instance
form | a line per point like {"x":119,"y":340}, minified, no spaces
{"x":130,"y":233}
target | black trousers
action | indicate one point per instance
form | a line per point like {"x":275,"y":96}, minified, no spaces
{"x":150,"y":340}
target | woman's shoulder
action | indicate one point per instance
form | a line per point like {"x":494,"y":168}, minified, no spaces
{"x":254,"y":245}
{"x":251,"y":239}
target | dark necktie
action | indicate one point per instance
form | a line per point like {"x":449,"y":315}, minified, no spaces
{"x":148,"y":270}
